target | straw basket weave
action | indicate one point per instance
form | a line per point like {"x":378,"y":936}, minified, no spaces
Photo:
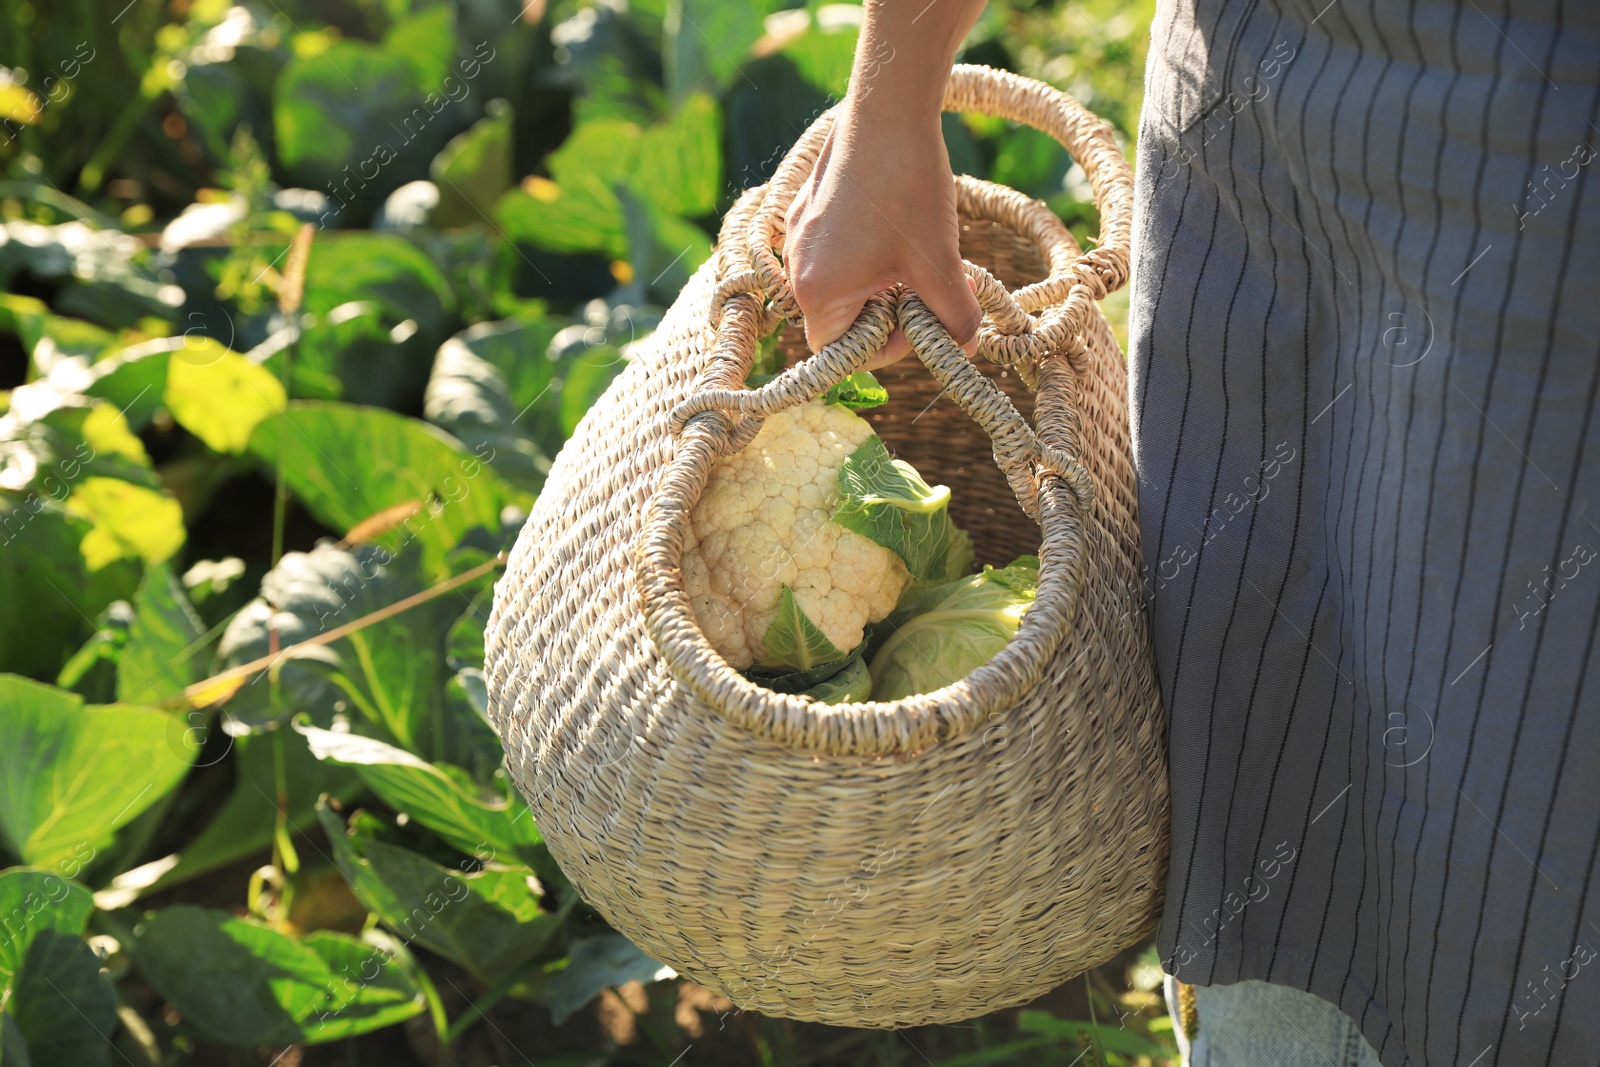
{"x":872,"y":864}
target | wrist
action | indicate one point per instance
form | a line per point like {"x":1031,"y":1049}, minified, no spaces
{"x":879,"y":105}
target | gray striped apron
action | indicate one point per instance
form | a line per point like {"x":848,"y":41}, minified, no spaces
{"x":1364,"y":361}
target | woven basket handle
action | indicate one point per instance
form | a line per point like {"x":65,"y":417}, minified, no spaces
{"x":1018,"y":329}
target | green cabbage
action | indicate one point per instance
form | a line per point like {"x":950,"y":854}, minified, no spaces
{"x":939,"y":634}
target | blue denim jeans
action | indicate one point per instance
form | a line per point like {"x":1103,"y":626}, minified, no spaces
{"x":1257,"y":1024}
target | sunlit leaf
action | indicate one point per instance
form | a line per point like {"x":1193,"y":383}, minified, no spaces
{"x":681,"y":159}
{"x":674,"y":166}
{"x":219,"y":396}
{"x":347,"y":463}
{"x":74,"y":774}
{"x":129,"y":520}
{"x":439,"y":796}
{"x":427,"y":41}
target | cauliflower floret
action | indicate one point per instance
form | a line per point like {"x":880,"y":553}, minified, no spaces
{"x":765,"y":521}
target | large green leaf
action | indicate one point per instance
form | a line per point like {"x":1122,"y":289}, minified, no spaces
{"x":519,"y":386}
{"x":376,"y":309}
{"x":439,"y":796}
{"x":940,"y":633}
{"x":219,"y":396}
{"x":675,"y":166}
{"x":825,"y":53}
{"x":427,"y":41}
{"x":610,"y":62}
{"x":576,"y":209}
{"x":489,"y":921}
{"x":664,"y":250}
{"x":134,"y":382}
{"x":390,"y":673}
{"x":157,"y":661}
{"x":589,"y":377}
{"x":244,"y":984}
{"x":46,"y":971}
{"x":468,"y":395}
{"x":70,"y":775}
{"x":680,"y":159}
{"x":598,"y":963}
{"x":348,"y":463}
{"x":128,"y":520}
{"x":704,"y":41}
{"x":65,"y":1009}
{"x":382,"y":268}
{"x":342,"y":108}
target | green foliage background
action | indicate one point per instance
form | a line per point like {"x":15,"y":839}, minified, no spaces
{"x":203,"y":461}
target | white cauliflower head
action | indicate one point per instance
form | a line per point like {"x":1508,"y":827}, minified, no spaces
{"x":765,"y":522}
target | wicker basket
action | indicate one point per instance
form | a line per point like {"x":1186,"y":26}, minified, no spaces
{"x":873,"y":864}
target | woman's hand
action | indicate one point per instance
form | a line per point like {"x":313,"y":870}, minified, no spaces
{"x":880,"y":207}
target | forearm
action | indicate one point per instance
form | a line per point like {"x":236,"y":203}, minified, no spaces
{"x":879,"y":207}
{"x":904,"y":56}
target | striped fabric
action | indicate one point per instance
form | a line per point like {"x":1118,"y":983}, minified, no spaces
{"x":1364,"y":367}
